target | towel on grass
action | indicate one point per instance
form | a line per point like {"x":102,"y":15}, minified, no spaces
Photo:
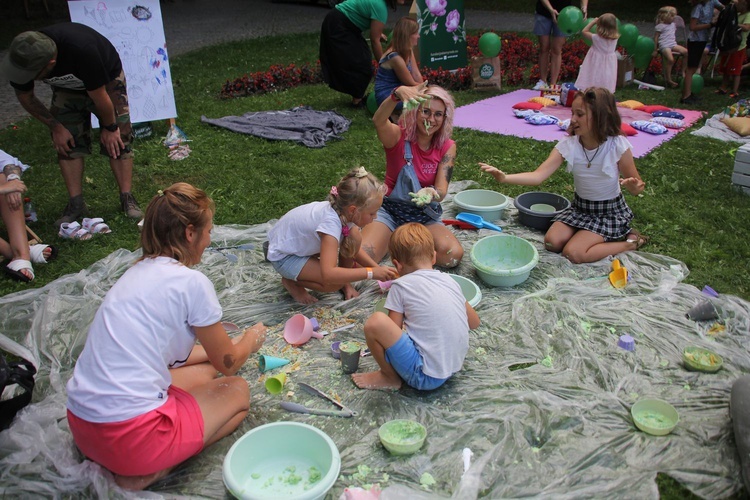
{"x":301,"y":124}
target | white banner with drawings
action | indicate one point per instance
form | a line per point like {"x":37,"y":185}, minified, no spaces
{"x":136,"y":30}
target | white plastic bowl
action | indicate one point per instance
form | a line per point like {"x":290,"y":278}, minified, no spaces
{"x":287,"y":460}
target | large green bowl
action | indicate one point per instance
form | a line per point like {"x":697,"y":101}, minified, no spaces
{"x":402,"y":437}
{"x":471,"y":291}
{"x":488,"y":204}
{"x":654,"y":416}
{"x":503,"y":259}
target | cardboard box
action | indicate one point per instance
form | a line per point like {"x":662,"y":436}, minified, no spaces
{"x":625,"y":71}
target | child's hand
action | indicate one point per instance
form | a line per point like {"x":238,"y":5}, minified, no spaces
{"x":633,"y":185}
{"x":424,"y":196}
{"x":384,"y":273}
{"x":499,"y":175}
{"x":258,"y":333}
{"x":14,"y":186}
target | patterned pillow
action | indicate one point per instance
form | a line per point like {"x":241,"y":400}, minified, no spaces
{"x":541,"y":119}
{"x":564,"y":124}
{"x":668,"y":122}
{"x":627,"y":129}
{"x":528,"y":105}
{"x":738,"y":124}
{"x":630,"y":104}
{"x":543,"y":101}
{"x":523,"y":113}
{"x":653,"y":107}
{"x":648,"y":126}
{"x":668,"y":114}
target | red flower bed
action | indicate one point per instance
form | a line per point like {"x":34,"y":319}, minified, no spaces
{"x":518,"y":57}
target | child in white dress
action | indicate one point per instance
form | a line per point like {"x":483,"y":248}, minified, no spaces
{"x":597,"y":224}
{"x":599,"y":68}
{"x":665,"y":40}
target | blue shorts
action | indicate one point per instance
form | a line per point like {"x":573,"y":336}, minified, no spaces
{"x":406,"y":360}
{"x":386,"y":218}
{"x":543,"y":26}
{"x":290,"y":266}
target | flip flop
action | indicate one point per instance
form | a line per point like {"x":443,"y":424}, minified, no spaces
{"x":14,"y":268}
{"x":73,"y":231}
{"x":95,"y":225}
{"x":637,"y":238}
{"x":37,"y":253}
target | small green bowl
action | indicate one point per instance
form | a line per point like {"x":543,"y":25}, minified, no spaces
{"x":701,"y":360}
{"x":402,"y":437}
{"x":654,"y":416}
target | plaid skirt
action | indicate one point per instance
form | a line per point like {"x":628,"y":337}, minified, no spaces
{"x":608,"y":218}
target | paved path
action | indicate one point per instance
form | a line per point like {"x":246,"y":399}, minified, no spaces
{"x":192,"y":24}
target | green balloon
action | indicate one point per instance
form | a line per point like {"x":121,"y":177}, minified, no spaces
{"x":628,"y":36}
{"x":490,"y":44}
{"x":372,"y":103}
{"x":697,"y":84}
{"x":569,"y":20}
{"x":644,"y":47}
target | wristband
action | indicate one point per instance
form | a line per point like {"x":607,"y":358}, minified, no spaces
{"x":394,"y":96}
{"x":12,"y":177}
{"x":369,"y":273}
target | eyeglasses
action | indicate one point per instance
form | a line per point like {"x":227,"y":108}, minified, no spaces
{"x":438,"y":115}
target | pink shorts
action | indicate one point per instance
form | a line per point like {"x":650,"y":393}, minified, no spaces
{"x":148,"y":443}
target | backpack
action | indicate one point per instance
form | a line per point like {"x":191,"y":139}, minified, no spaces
{"x":19,"y":373}
{"x":727,"y":34}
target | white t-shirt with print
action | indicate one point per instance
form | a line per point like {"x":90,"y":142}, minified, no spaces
{"x":143,"y":328}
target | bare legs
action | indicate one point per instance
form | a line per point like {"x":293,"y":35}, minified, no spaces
{"x":224,"y":403}
{"x":579,"y":246}
{"x":15,"y":223}
{"x":544,"y":57}
{"x":556,"y":58}
{"x":381,"y":333}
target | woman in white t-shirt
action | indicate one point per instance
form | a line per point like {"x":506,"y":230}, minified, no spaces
{"x":144,"y":397}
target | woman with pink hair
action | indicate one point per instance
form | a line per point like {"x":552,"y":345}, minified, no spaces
{"x":420,"y":156}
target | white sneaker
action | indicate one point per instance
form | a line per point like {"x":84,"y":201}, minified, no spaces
{"x":540,"y":85}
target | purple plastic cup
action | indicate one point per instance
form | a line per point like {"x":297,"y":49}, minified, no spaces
{"x":626,"y":342}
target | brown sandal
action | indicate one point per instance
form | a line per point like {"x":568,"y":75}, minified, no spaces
{"x":637,"y":238}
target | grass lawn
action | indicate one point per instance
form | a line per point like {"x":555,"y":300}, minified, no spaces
{"x":689,"y":208}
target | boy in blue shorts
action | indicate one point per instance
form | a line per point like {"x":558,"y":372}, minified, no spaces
{"x":424,"y":338}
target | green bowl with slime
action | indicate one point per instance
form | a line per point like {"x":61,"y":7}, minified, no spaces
{"x":702,"y":360}
{"x":654,"y":416}
{"x":402,"y":437}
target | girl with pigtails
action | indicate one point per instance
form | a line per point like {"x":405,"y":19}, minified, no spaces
{"x":316,"y":246}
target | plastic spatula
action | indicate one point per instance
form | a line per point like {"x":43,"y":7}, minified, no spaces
{"x":476,"y":221}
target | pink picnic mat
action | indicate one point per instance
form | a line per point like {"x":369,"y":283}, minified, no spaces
{"x":496,"y":115}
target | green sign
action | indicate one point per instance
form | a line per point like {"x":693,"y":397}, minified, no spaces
{"x":442,"y":41}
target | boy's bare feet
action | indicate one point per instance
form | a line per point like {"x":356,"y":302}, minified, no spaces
{"x":298,"y":293}
{"x":349,"y":291}
{"x":376,"y":380}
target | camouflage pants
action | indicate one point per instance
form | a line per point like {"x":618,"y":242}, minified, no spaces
{"x":73,"y":109}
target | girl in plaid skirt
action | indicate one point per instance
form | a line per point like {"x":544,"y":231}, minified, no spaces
{"x":597,"y":224}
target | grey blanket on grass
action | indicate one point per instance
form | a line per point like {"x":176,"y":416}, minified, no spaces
{"x":301,"y":124}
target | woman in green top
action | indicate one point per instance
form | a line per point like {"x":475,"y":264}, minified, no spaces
{"x":345,"y":58}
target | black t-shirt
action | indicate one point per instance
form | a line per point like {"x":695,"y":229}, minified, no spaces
{"x":558,"y":5}
{"x":86,"y":60}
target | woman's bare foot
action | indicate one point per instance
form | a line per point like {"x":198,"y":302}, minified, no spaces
{"x":298,"y":293}
{"x":258,"y":331}
{"x":137,"y":483}
{"x":349,"y":291}
{"x":674,"y":85}
{"x":376,"y":380}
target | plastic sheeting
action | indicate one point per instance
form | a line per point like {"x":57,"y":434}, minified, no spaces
{"x":558,"y":427}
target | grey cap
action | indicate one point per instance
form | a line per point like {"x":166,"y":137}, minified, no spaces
{"x":27,"y":56}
